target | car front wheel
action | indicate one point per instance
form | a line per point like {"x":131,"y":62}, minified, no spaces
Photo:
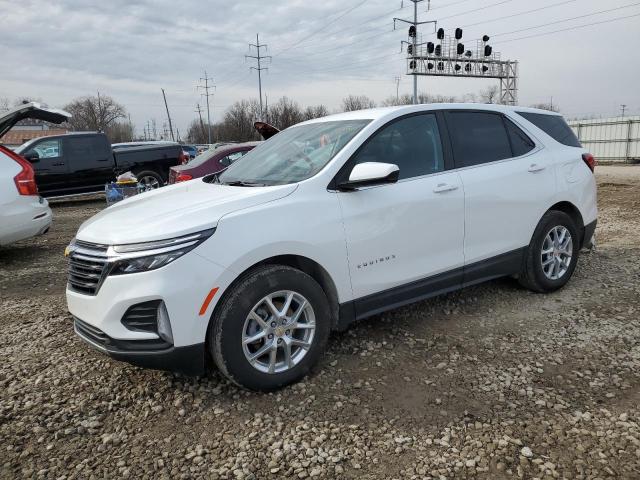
{"x":271,"y":328}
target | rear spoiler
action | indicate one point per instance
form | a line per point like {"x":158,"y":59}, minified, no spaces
{"x":31,"y":110}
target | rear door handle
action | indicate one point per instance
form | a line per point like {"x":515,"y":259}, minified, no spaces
{"x":536,"y":168}
{"x":444,"y":187}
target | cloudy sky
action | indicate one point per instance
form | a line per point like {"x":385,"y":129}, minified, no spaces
{"x":322,"y":51}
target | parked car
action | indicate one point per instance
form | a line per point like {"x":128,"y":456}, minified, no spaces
{"x":218,"y":158}
{"x":209,"y":161}
{"x":79,"y":163}
{"x":23,"y":212}
{"x":332,"y":220}
{"x":191,"y":151}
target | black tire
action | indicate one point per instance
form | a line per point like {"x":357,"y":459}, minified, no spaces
{"x":225,"y":335}
{"x":532,"y":275}
{"x":141,"y":174}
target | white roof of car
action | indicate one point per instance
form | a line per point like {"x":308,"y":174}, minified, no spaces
{"x":391,"y":112}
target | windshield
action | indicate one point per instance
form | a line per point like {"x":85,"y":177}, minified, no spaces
{"x":292,"y":155}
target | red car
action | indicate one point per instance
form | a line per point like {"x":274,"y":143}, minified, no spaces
{"x":214,"y":161}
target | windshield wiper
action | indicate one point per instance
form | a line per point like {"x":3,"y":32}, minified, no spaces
{"x":240,"y":183}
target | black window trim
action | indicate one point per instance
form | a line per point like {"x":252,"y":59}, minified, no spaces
{"x":447,"y":154}
{"x":537,"y":146}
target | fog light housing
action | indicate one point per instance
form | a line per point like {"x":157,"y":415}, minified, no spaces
{"x":164,"y":326}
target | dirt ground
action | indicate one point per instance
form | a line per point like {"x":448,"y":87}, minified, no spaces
{"x":490,"y":382}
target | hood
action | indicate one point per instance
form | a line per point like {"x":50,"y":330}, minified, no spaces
{"x":174,"y":211}
{"x":265,"y":130}
{"x":31,"y":110}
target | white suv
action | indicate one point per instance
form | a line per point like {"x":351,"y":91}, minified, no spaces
{"x":330,"y":221}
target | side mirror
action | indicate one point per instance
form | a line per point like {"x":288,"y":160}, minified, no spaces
{"x":370,"y":173}
{"x":32,"y":156}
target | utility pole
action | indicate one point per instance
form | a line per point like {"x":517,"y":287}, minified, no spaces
{"x":100,"y":129}
{"x":414,"y":42}
{"x":397,"y":80}
{"x":206,"y":88}
{"x":624,"y":109}
{"x":259,"y":57}
{"x":168,"y":116}
{"x":199,"y":110}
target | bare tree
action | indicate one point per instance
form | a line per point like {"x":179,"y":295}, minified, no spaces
{"x":120,"y":132}
{"x":4,"y":104}
{"x":394,"y":101}
{"x":315,"y":111}
{"x":284,"y":113}
{"x":94,"y":113}
{"x":357,"y":102}
{"x":490,"y":94}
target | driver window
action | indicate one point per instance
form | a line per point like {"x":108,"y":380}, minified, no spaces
{"x":48,"y":149}
{"x":232,"y":157}
{"x":412,"y":143}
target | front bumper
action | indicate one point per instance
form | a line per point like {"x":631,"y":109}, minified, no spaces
{"x":189,"y":360}
{"x":182,"y":286}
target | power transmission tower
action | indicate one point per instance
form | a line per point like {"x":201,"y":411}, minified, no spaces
{"x":259,"y":57}
{"x":206,"y":88}
{"x":168,"y":116}
{"x":199,"y":110}
{"x":413,"y":34}
{"x":624,"y":109}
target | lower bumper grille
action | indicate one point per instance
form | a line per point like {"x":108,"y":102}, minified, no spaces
{"x":103,"y":341}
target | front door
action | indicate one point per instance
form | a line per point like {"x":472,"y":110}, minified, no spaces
{"x":50,"y":165}
{"x":404,"y":240}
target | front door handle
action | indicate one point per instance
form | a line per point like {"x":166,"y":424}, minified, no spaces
{"x":536,"y":168}
{"x":58,"y":164}
{"x":444,"y":187}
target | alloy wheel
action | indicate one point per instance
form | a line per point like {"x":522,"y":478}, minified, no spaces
{"x":557,"y":252}
{"x":278,"y":332}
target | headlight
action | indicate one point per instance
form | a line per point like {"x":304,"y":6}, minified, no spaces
{"x":142,"y":257}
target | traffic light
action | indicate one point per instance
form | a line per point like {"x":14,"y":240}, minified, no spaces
{"x":430,"y":66}
{"x":488,"y":50}
{"x":412,"y":64}
{"x":457,"y":67}
{"x":440,"y":66}
{"x":438,"y":50}
{"x":458,"y":33}
{"x":460,"y":50}
{"x":440,"y":33}
{"x":485,"y":38}
{"x":410,"y":49}
{"x":430,"y":47}
{"x":412,"y":31}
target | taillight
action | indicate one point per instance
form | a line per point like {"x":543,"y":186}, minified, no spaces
{"x":590,"y":160}
{"x":25,"y":180}
{"x":183,"y":177}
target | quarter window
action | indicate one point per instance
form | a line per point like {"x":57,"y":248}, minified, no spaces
{"x":412,"y":143}
{"x":521,"y":144}
{"x":478,"y":138}
{"x":554,"y":126}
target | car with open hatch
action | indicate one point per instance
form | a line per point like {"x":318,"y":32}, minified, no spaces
{"x":332,"y":220}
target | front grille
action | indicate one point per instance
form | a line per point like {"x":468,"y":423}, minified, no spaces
{"x":142,"y":317}
{"x":99,"y":338}
{"x":87,"y":267}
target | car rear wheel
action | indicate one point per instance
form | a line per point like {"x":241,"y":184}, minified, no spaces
{"x":552,"y":256}
{"x":270,"y":329}
{"x":149,"y":180}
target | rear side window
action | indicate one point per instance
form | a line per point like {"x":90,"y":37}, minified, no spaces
{"x":478,"y":138}
{"x":554,"y":126}
{"x":521,"y":144}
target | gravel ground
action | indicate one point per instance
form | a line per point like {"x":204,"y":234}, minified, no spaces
{"x":491,"y":382}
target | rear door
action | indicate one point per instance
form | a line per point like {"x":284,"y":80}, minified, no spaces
{"x":508,"y":183}
{"x":90,"y":162}
{"x":49,"y":162}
